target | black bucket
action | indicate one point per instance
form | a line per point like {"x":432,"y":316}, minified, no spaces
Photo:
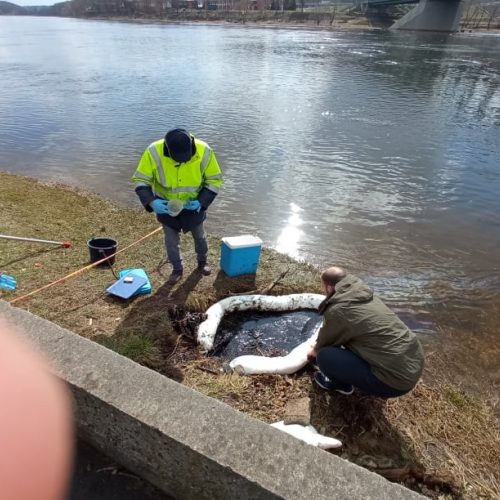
{"x":100,"y":248}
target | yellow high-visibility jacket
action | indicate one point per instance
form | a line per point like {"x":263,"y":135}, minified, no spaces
{"x":159,"y":176}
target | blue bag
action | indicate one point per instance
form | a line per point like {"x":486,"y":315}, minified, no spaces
{"x":7,"y":282}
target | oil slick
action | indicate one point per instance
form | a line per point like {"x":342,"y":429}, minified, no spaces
{"x":249,"y":365}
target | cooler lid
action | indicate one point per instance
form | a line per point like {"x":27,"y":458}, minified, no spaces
{"x":244,"y":241}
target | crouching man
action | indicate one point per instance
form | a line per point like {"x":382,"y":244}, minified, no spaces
{"x":362,"y":343}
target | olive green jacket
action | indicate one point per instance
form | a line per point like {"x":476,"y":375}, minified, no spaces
{"x":358,"y":320}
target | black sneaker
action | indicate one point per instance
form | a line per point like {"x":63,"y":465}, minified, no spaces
{"x":314,"y":365}
{"x":175,"y":276}
{"x":329,"y":385}
{"x":204,"y":268}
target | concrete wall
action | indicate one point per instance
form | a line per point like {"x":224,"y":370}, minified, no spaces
{"x":432,"y":15}
{"x":186,"y":444}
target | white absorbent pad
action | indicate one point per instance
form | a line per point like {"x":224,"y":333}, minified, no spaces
{"x":293,"y":302}
{"x":309,"y":435}
{"x":283,"y":365}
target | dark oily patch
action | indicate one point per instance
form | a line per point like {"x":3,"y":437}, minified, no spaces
{"x":184,"y":321}
{"x":269,"y":334}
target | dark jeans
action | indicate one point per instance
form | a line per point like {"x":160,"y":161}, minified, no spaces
{"x":172,"y":244}
{"x":344,"y":367}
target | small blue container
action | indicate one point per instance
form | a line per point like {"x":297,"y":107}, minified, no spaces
{"x":240,"y":255}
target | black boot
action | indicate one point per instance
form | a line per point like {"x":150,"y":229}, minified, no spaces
{"x":175,"y":276}
{"x":204,"y":269}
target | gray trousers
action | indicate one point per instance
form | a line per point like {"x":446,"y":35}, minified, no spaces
{"x":172,"y":239}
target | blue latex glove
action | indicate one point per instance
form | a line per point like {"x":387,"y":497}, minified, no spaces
{"x":7,"y":282}
{"x":193,"y":205}
{"x":160,"y":207}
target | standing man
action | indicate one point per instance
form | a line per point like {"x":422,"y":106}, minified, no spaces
{"x":362,"y":343}
{"x":182,"y":168}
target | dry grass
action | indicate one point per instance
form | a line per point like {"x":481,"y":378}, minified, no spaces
{"x":81,"y":304}
{"x":452,"y":434}
{"x":262,"y":396}
{"x":437,"y":440}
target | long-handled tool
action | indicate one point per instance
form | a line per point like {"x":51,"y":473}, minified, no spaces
{"x":64,"y":244}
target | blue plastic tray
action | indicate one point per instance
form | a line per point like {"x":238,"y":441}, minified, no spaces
{"x":125,"y":290}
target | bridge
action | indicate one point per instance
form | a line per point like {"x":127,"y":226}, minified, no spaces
{"x":383,"y":3}
{"x":427,"y":15}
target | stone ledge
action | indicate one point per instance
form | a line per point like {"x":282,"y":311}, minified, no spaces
{"x":188,"y":445}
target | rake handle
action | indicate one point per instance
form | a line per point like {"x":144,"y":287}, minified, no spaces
{"x":64,"y":244}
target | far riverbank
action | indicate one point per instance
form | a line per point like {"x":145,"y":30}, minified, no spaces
{"x":272,"y":19}
{"x":326,"y":18}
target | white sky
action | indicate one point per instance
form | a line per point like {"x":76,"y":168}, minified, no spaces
{"x":33,"y":2}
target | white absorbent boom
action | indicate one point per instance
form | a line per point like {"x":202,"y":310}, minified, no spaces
{"x":251,"y":365}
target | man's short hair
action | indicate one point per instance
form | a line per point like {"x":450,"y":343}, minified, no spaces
{"x":333,"y":275}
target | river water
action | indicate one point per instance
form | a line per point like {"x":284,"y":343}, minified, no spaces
{"x":377,"y":151}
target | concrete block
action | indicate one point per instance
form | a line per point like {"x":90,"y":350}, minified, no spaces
{"x":298,"y":411}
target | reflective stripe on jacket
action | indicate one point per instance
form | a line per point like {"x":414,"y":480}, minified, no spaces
{"x":170,"y":179}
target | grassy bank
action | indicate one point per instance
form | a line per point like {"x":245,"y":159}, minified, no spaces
{"x":437,"y":440}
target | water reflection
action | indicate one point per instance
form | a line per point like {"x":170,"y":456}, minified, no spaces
{"x":290,"y":236}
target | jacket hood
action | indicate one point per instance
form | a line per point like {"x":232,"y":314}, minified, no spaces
{"x":351,"y":290}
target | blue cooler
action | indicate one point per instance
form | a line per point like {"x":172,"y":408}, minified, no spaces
{"x":240,"y":254}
